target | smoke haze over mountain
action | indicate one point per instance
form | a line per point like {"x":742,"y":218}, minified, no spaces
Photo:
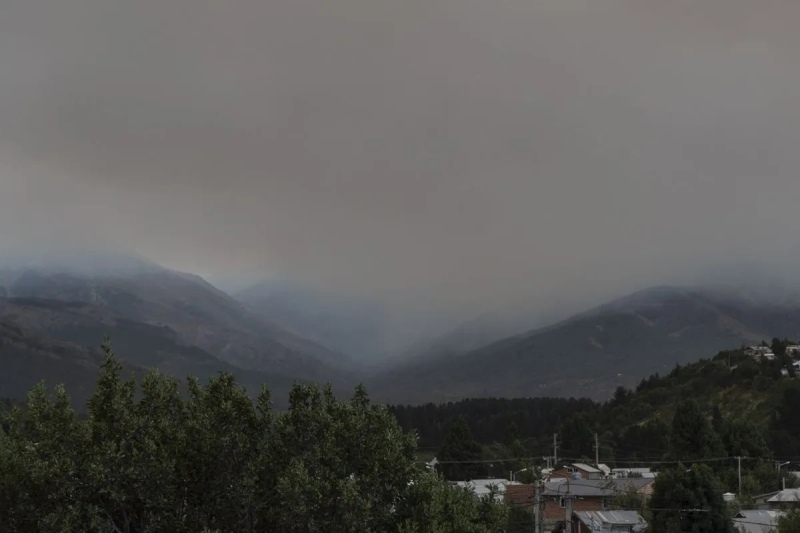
{"x":457,"y":154}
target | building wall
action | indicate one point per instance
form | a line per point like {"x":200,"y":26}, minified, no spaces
{"x":564,"y":473}
{"x":554,"y":512}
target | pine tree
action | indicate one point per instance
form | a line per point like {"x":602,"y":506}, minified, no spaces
{"x":459,"y":446}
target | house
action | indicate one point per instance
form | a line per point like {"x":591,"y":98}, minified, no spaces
{"x":759,"y":352}
{"x":484,"y":487}
{"x":588,"y":494}
{"x":585,"y":471}
{"x":608,"y":522}
{"x":585,"y":495}
{"x":778,"y":500}
{"x":793,"y":350}
{"x":633,"y":472}
{"x":756,"y":521}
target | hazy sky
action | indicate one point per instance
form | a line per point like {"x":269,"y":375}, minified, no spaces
{"x":459,"y":151}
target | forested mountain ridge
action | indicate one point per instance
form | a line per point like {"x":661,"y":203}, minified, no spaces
{"x":593,"y":353}
{"x":634,"y":424}
{"x":26,"y":358}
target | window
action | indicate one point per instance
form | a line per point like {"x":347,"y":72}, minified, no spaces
{"x":604,"y":503}
{"x":562,"y":503}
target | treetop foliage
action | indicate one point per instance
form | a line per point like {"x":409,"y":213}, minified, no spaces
{"x":149,"y":459}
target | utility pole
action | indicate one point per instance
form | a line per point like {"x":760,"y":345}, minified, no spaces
{"x":596,"y":451}
{"x":739,"y":458}
{"x":568,"y":505}
{"x":538,"y":509}
{"x":555,"y":451}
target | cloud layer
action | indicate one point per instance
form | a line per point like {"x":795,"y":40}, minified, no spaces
{"x":456,"y":152}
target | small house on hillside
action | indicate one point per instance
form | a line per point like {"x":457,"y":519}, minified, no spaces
{"x":793,"y":350}
{"x":759,"y":352}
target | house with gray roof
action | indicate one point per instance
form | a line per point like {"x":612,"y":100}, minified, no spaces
{"x":756,"y":521}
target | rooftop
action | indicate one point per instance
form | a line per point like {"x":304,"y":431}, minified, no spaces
{"x":756,"y":521}
{"x":612,"y":518}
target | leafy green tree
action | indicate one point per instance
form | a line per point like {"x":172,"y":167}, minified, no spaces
{"x":433,"y":506}
{"x":512,"y":433}
{"x":743,"y":438}
{"x":688,"y":501}
{"x":789,"y":522}
{"x":577,"y":437}
{"x":460,"y":448}
{"x":692,"y":437}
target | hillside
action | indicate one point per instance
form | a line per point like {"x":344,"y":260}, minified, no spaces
{"x":591,"y":354}
{"x":634,"y":424}
{"x":82,"y":326}
{"x":28,"y":358}
{"x":195,"y":313}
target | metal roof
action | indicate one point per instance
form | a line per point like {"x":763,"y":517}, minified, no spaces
{"x":604,"y":520}
{"x":594,"y":487}
{"x":786,"y":495}
{"x":756,"y":521}
{"x":587,"y":468}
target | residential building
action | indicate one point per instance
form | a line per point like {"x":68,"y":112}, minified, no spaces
{"x":756,"y":521}
{"x":793,"y":350}
{"x":585,"y":471}
{"x":633,"y":472}
{"x":758,"y":352}
{"x":778,"y":500}
{"x":484,"y":487}
{"x":608,"y":522}
{"x":588,"y":494}
{"x":585,"y":494}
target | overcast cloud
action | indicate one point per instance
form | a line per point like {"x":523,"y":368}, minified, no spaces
{"x":465,"y":151}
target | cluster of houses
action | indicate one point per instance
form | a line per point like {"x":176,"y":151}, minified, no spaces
{"x":591,"y":492}
{"x":765,"y":352}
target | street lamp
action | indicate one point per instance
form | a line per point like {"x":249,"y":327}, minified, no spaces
{"x":779,"y":465}
{"x":513,"y":475}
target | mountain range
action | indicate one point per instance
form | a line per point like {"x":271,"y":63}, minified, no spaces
{"x":159,"y":318}
{"x":54,"y":315}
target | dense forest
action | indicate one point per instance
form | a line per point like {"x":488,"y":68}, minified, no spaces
{"x":149,"y":458}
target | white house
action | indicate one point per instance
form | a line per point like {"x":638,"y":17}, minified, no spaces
{"x":483,"y":487}
{"x":793,"y":350}
{"x":757,"y":352}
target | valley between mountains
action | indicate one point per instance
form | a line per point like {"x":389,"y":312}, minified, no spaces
{"x":52,"y":322}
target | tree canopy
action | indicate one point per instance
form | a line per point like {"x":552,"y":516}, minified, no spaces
{"x":150,"y":458}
